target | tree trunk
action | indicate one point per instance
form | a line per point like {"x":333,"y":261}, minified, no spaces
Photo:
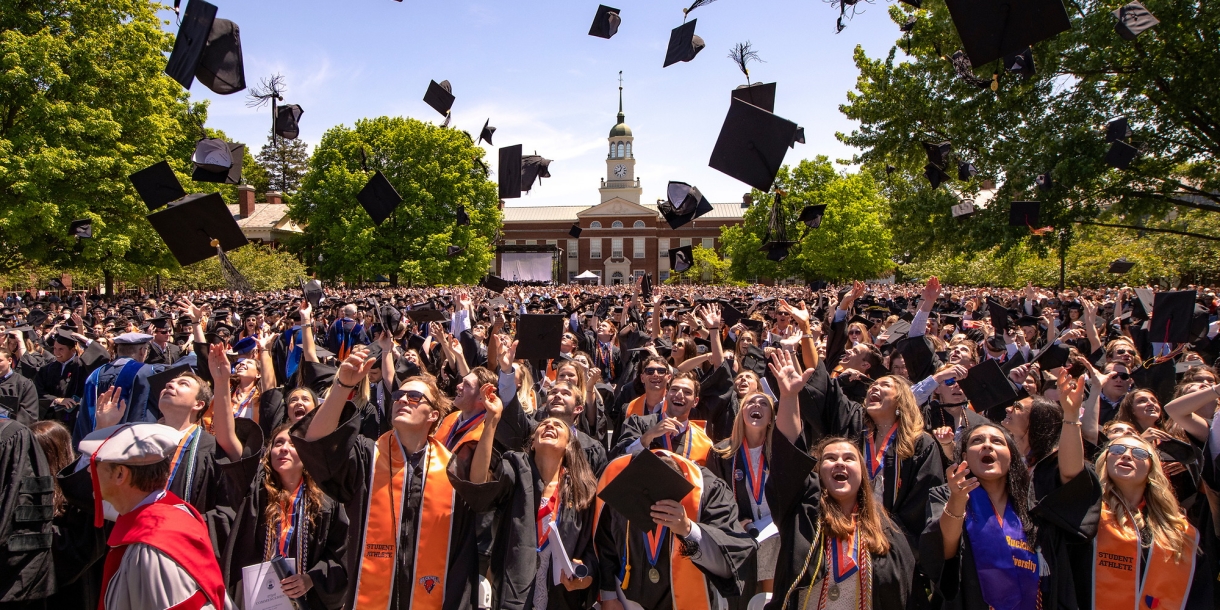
{"x":109,"y":283}
{"x":393,"y":279}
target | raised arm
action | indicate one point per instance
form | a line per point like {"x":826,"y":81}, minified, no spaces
{"x":309,"y":350}
{"x":790,"y":381}
{"x":353,"y":370}
{"x":222,"y":411}
{"x":267,"y":381}
{"x":480,"y":463}
{"x":1071,"y":442}
{"x":1183,"y":410}
{"x":1090,"y":325}
{"x":713,"y":321}
{"x":800,"y":314}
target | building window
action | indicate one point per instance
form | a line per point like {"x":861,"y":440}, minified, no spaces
{"x":638,"y":273}
{"x":571,"y":277}
{"x":616,"y":247}
{"x":709,"y":243}
{"x":612,"y":150}
{"x":616,"y":278}
{"x":622,"y":150}
{"x":573,"y":248}
{"x":595,"y":225}
{"x":664,"y":275}
{"x":618,"y":224}
{"x":595,"y":248}
{"x":639,"y":224}
{"x":662,"y":244}
{"x":520,"y":242}
{"x":629,"y":150}
{"x":685,"y":241}
{"x":638,"y":242}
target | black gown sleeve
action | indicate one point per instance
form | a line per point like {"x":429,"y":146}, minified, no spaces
{"x":482,"y":497}
{"x":329,"y":576}
{"x":633,"y":428}
{"x":339,"y":462}
{"x":945,"y":574}
{"x":719,"y":524}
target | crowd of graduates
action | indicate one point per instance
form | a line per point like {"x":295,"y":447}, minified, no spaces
{"x":671,"y":447}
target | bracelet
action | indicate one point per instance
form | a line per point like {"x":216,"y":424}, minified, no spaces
{"x":953,"y":516}
{"x":1072,"y":423}
{"x":344,"y":385}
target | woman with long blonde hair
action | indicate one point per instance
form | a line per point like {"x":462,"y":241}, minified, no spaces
{"x":838,"y":545}
{"x":743,"y":461}
{"x":1144,"y":549}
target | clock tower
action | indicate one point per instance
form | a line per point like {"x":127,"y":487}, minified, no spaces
{"x":620,"y":181}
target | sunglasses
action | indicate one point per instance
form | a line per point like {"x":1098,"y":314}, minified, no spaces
{"x":1124,"y":376}
{"x":1136,"y":452}
{"x":1124,"y":352}
{"x":413,"y":397}
{"x":655,"y":370}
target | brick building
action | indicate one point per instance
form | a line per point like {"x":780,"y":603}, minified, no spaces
{"x":263,"y":223}
{"x":621,"y":237}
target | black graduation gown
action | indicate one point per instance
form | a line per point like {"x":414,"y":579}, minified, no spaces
{"x":341,"y":464}
{"x":719,"y":525}
{"x":208,"y":487}
{"x":517,"y":427}
{"x":1066,"y":517}
{"x":722,"y":467}
{"x":16,"y":386}
{"x":27,"y":571}
{"x":915,"y":476}
{"x":240,"y":536}
{"x":272,"y":411}
{"x":156,"y":355}
{"x":376,"y":414}
{"x":55,"y":380}
{"x":515,"y":492}
{"x":27,"y":366}
{"x":793,"y":493}
{"x":636,"y":426}
{"x":717,"y":403}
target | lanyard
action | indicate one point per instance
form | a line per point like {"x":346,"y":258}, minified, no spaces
{"x":288,"y":525}
{"x":876,"y":459}
{"x":550,"y":509}
{"x":682,"y":451}
{"x":653,"y":540}
{"x":241,"y":407}
{"x":460,"y":430}
{"x":755,"y":481}
{"x":845,"y":558}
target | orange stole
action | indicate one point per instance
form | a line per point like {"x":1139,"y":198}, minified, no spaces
{"x":446,"y":426}
{"x":701,"y":445}
{"x":1116,"y":582}
{"x":379,"y":563}
{"x":686,"y":581}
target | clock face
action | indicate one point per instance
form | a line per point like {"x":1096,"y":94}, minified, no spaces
{"x":620,"y":170}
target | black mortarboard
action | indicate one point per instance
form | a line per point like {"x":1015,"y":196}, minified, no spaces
{"x":288,"y":121}
{"x":752,"y":144}
{"x":897,"y":331}
{"x":539,"y":335}
{"x":454,"y":250}
{"x":510,"y":172}
{"x":1172,"y":313}
{"x":317,"y":376}
{"x":574,"y":231}
{"x":157,"y":185}
{"x":759,"y":94}
{"x":427,"y":314}
{"x":935,"y":175}
{"x":1024,"y":213}
{"x":157,"y":382}
{"x":189,"y":226}
{"x":211,"y":156}
{"x":463,"y":218}
{"x":966,"y":171}
{"x":777,"y":251}
{"x":1052,"y":356}
{"x":440,"y":96}
{"x":938,"y":153}
{"x":1120,"y":266}
{"x":379,"y":198}
{"x":493,"y":283}
{"x":1021,"y":63}
{"x":1029,"y":321}
{"x":488,"y":132}
{"x":605,"y":23}
{"x":681,"y":259}
{"x":684,"y":45}
{"x":755,"y":359}
{"x":987,"y":388}
{"x":1121,"y":154}
{"x":1044,"y":181}
{"x":415,"y":342}
{"x":64,"y":337}
{"x":209,"y":49}
{"x":994,"y":28}
{"x":910,"y":24}
{"x":812,"y":215}
{"x":81,"y":228}
{"x":36,"y":317}
{"x":1133,"y":19}
{"x":533,"y":167}
{"x":999,"y":315}
{"x":644,"y":482}
{"x":683,"y":204}
{"x":312,"y":291}
{"x":1118,"y":129}
{"x":798,"y":137}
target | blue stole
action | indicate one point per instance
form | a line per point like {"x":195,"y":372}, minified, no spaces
{"x":1007,"y":564}
{"x":293,"y":338}
{"x":126,"y":382}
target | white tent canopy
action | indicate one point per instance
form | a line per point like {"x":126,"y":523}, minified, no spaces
{"x":589,"y":275}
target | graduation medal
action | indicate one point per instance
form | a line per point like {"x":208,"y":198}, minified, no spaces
{"x":653,"y":551}
{"x":654,"y":575}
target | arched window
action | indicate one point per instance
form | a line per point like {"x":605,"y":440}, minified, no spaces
{"x":616,"y":278}
{"x":611,"y":155}
{"x":622,"y":150}
{"x":595,"y":225}
{"x":618,"y":224}
{"x":639,"y":224}
{"x":629,"y":149}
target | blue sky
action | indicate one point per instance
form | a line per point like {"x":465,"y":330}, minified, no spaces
{"x":532,"y":68}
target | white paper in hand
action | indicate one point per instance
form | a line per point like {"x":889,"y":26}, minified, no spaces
{"x":766,"y":529}
{"x":261,"y":587}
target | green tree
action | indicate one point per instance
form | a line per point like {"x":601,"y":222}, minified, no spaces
{"x":266,"y":268}
{"x":282,"y":164}
{"x":852,"y":242}
{"x":434,"y":169}
{"x":708,"y":268}
{"x":83,"y":104}
{"x":1165,"y":83}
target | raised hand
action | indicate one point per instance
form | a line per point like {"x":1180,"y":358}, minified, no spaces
{"x":960,"y":485}
{"x":931,"y":291}
{"x":355,"y":368}
{"x":711,"y":315}
{"x":783,"y":366}
{"x":218,"y":366}
{"x":944,"y":436}
{"x":489,"y":399}
{"x":110,"y":408}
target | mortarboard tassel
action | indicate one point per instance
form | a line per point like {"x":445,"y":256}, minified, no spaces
{"x":234,"y":280}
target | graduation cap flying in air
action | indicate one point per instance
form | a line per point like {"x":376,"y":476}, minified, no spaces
{"x":1026,"y":214}
{"x":759,"y":94}
{"x":378,"y":196}
{"x":775,"y":242}
{"x":157,"y":185}
{"x":199,"y":227}
{"x":81,"y":229}
{"x":684,"y":203}
{"x":1122,"y":152}
{"x":487,"y":133}
{"x":938,"y":159}
{"x":606,"y":22}
{"x":752,"y":144}
{"x":684,"y":45}
{"x":518,"y":172}
{"x":993,"y":29}
{"x":1133,"y":19}
{"x":209,"y":49}
{"x":286,"y":119}
{"x":217,"y":161}
{"x":440,"y":97}
{"x":681,"y":259}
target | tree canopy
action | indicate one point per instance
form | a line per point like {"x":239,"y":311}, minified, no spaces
{"x":281,"y":166}
{"x":708,"y":268}
{"x":853,"y":241}
{"x":434,"y":169}
{"x":1166,"y":83}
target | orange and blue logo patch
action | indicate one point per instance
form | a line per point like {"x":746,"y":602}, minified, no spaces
{"x":429,"y":583}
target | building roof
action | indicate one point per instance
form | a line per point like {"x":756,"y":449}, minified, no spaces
{"x":567,"y":213}
{"x":266,"y":216}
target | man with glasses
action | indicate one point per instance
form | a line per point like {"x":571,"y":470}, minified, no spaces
{"x":671,"y":428}
{"x":1115,"y":382}
{"x":161,"y":350}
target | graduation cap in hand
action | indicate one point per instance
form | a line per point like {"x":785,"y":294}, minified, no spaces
{"x":209,"y":49}
{"x":606,"y":22}
{"x":683,"y":204}
{"x":312,"y":291}
{"x":992,"y":29}
{"x":644,"y":482}
{"x":539,"y":335}
{"x":157,"y":185}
